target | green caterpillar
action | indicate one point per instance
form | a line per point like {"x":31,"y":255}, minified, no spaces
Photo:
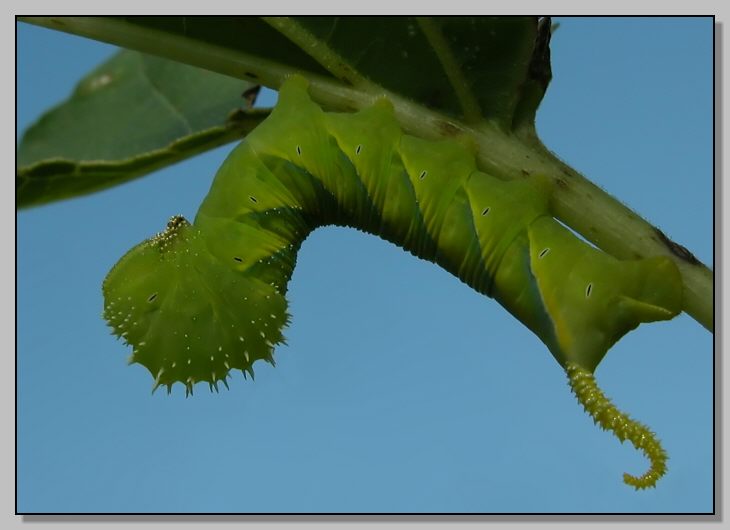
{"x":199,"y":300}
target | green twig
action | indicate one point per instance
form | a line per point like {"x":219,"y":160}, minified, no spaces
{"x":576,"y":201}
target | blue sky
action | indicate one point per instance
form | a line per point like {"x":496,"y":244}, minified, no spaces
{"x":400,"y":390}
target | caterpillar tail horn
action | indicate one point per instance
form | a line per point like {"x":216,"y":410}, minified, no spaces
{"x":594,"y":401}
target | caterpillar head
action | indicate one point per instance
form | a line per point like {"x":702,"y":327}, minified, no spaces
{"x":188,"y":315}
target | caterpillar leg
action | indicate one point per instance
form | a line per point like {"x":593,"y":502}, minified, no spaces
{"x":584,"y":386}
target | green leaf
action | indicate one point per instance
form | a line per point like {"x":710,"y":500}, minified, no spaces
{"x":471,"y":68}
{"x":133,"y":114}
{"x":250,"y":36}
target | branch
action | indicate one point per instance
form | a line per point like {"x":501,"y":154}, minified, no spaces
{"x":576,"y":201}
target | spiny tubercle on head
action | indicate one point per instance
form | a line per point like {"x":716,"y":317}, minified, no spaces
{"x":163,"y":240}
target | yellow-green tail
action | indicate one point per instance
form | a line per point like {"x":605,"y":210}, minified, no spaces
{"x":584,"y":386}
